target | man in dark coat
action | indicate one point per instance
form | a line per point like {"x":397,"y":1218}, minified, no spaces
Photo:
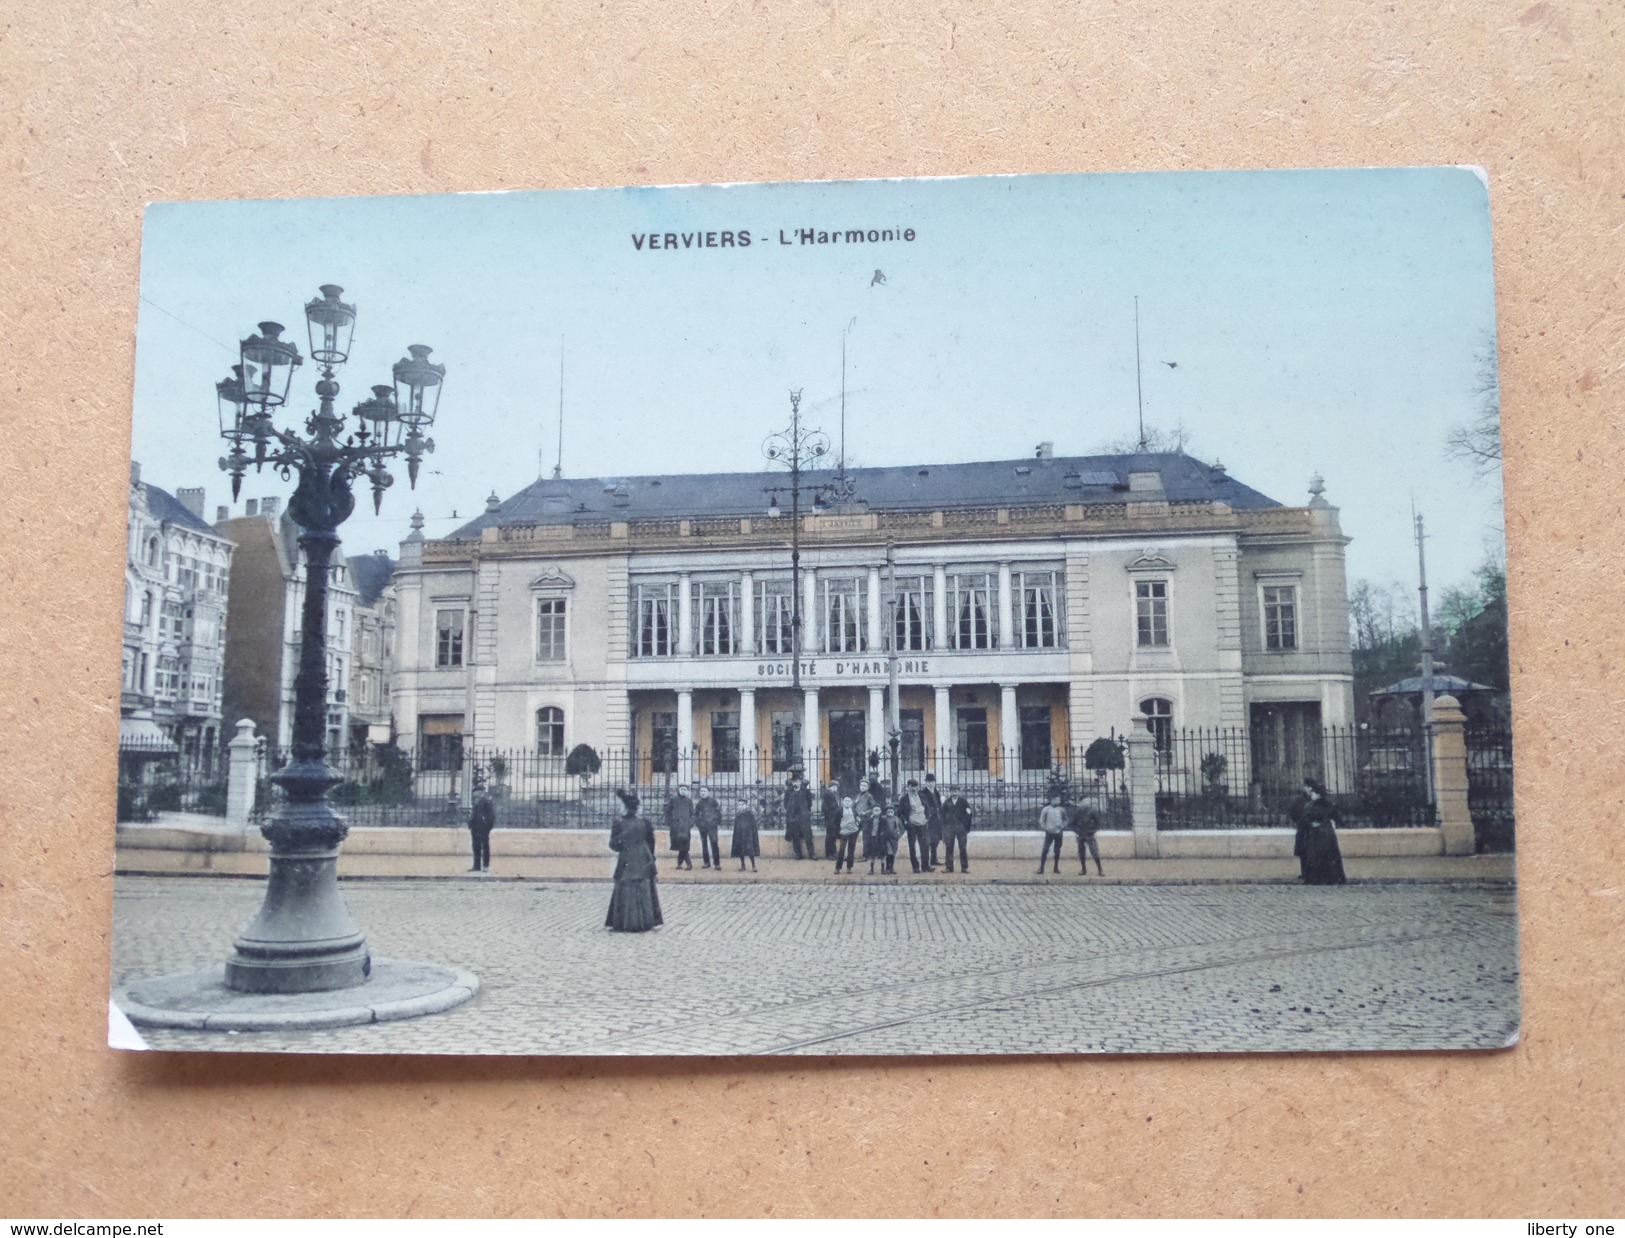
{"x":829,"y":806}
{"x":1085,"y":822}
{"x":916,"y":819}
{"x":956,"y":820}
{"x":931,"y":797}
{"x":798,"y":816}
{"x":480,"y":823}
{"x":680,"y":825}
{"x":708,"y":820}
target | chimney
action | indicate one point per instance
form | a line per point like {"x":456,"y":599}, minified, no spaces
{"x":222,"y":513}
{"x":135,"y":472}
{"x":251,"y":507}
{"x":191,"y":498}
{"x":1046,"y":450}
{"x":269,"y":504}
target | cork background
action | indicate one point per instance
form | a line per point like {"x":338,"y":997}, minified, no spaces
{"x":106,"y":106}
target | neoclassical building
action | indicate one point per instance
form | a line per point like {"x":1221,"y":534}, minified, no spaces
{"x":1033,"y":604}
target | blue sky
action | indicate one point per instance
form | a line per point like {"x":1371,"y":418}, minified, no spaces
{"x":1328,"y":321}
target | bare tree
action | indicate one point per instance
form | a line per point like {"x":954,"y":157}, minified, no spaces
{"x":1156,"y":440}
{"x":1477,"y":443}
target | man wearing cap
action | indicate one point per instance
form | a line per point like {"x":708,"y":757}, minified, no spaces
{"x":932,"y":799}
{"x":798,"y":816}
{"x":912,"y":809}
{"x":708,"y":820}
{"x":680,"y":825}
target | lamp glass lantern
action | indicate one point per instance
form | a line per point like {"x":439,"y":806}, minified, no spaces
{"x":331,"y":324}
{"x":268,"y":365}
{"x":417,"y":387}
{"x":380,"y":418}
{"x":232,"y":403}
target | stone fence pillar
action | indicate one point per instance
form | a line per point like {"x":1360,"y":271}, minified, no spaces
{"x":1142,"y":787}
{"x":241,"y":772}
{"x":1450,"y":776}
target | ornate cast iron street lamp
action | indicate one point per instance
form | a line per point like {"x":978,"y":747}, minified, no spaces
{"x":303,"y":939}
{"x":797,"y":447}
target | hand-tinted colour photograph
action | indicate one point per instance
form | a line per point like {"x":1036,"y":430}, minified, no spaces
{"x":717,"y":619}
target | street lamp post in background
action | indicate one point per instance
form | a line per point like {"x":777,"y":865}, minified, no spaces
{"x":796,"y":447}
{"x":303,"y":939}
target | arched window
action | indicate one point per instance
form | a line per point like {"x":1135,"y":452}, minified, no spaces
{"x":152,"y":552}
{"x":1159,"y":712}
{"x":550,"y":731}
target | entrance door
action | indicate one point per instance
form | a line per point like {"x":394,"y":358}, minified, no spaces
{"x":848,"y":751}
{"x":972,"y":722}
{"x":1286,"y":744}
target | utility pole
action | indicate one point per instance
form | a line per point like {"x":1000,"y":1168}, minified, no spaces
{"x":1427,"y":652}
{"x":894,"y":720}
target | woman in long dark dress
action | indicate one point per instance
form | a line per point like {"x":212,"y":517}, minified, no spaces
{"x":747,"y":836}
{"x":1320,"y":859}
{"x":634,"y":907}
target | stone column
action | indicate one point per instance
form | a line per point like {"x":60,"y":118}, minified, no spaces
{"x":875,"y":641}
{"x":939,"y":610}
{"x":1009,"y":730}
{"x":943,"y":714}
{"x":685,"y":616}
{"x":1007,"y":628}
{"x":747,"y":733}
{"x":747,"y":615}
{"x":240,"y":775}
{"x":685,"y":735}
{"x":1142,"y":786}
{"x":1449,"y":776}
{"x":809,"y":736}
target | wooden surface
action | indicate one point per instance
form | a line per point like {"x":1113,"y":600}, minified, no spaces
{"x":110,"y":105}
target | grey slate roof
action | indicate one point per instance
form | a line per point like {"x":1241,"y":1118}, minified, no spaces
{"x":371,"y":573}
{"x":167,"y":509}
{"x":1098,"y":479}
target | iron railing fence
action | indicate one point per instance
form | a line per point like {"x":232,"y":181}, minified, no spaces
{"x":156,"y":775}
{"x":531,"y":790}
{"x":1241,"y":778}
{"x":1489,"y":785}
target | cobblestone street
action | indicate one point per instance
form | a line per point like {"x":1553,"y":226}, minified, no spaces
{"x":894,"y":968}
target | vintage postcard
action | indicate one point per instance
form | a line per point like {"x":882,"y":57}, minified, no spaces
{"x":1030,"y":614}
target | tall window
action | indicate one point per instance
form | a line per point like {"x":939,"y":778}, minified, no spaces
{"x":786,"y":740}
{"x":663,"y":741}
{"x":550,"y":629}
{"x":844,"y":614}
{"x":972,"y":737}
{"x":651,"y":621}
{"x":970,"y":610}
{"x":448,"y":637}
{"x":716,"y":616}
{"x":911,"y":755}
{"x":1036,"y":750}
{"x":1151,"y":613}
{"x":913,"y":615}
{"x":1160,"y":714}
{"x":1280,"y":616}
{"x":725,"y":741}
{"x":1036,"y":602}
{"x":775,"y":617}
{"x":550,"y":731}
{"x":440,"y":741}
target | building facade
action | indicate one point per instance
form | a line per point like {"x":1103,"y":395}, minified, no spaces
{"x":266,"y":606}
{"x":372,"y":662}
{"x":176,"y":580}
{"x":1033,"y":606}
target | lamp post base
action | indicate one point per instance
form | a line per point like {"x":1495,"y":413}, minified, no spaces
{"x":303,"y":940}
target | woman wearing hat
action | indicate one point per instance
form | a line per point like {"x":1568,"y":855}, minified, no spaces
{"x":1320,"y":859}
{"x":634,"y":907}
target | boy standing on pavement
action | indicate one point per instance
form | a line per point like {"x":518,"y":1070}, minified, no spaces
{"x":1052,"y":820}
{"x":1085,"y":822}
